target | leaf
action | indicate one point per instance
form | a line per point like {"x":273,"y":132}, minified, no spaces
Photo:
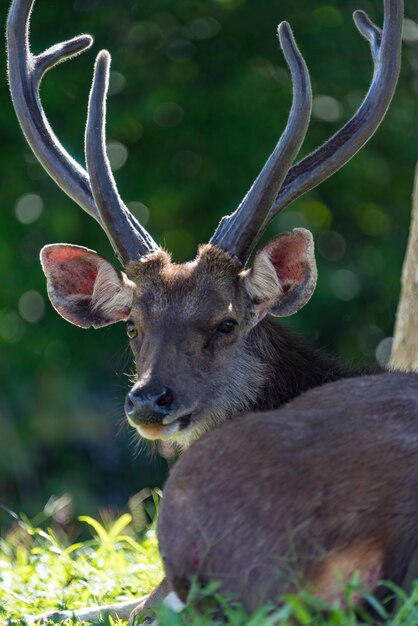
{"x":119,"y":525}
{"x":97,"y":526}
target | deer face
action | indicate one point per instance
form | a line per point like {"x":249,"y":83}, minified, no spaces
{"x":188,"y":325}
{"x":187,"y":331}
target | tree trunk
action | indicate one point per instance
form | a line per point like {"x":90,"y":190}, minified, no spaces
{"x":405,"y":343}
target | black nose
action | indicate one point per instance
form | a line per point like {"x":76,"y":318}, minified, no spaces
{"x":148,"y":406}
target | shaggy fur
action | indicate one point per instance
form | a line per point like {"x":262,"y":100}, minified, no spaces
{"x":113,"y":291}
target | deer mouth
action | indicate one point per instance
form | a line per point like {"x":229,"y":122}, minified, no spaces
{"x":183,"y":420}
{"x":168,"y":429}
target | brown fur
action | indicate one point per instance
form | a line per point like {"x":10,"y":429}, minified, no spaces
{"x":300,"y":497}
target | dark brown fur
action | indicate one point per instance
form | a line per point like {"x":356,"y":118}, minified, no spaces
{"x":275,"y":502}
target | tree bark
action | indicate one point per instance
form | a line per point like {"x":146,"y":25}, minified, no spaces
{"x":405,"y":343}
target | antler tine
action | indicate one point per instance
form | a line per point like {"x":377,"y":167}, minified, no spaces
{"x":129,"y":239}
{"x":25,"y":74}
{"x":238,"y":233}
{"x":371,"y":32}
{"x":328,"y":158}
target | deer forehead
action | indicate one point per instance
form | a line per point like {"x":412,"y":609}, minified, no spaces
{"x":205,"y":287}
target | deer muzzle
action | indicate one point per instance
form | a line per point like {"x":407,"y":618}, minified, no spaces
{"x":155,"y":414}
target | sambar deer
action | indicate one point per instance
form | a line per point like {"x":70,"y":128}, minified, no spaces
{"x":205,"y":346}
{"x":204,"y":342}
{"x":300,"y":498}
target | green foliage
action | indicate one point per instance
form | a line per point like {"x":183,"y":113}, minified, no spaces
{"x":200,"y":93}
{"x":40,"y":570}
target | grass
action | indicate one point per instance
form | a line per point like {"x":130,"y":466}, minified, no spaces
{"x":40,"y":570}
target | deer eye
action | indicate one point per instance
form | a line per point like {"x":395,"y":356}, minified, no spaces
{"x":131,"y":330}
{"x":226,"y":327}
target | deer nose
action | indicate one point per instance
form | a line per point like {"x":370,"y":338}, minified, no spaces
{"x":147,"y":407}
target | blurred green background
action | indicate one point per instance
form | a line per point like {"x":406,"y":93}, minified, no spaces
{"x":199,"y":95}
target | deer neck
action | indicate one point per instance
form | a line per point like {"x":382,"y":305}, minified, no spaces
{"x":293,"y":365}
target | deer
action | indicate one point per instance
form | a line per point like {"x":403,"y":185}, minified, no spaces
{"x":304,"y":497}
{"x":203,"y":336}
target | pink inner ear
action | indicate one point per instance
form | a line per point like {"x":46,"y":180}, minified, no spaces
{"x":73,"y":270}
{"x":85,"y":288}
{"x":288,"y":254}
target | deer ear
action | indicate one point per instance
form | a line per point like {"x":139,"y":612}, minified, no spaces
{"x":84,"y":287}
{"x":364,"y":559}
{"x":283,"y":276}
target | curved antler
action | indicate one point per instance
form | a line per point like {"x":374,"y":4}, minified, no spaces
{"x":386,"y":53}
{"x":238,"y":233}
{"x":333,"y":154}
{"x":25,"y":75}
{"x":113,"y":212}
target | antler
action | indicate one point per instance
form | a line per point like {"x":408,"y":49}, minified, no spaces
{"x":26,"y":71}
{"x":113,"y":212}
{"x":239,"y":231}
{"x":328,"y":158}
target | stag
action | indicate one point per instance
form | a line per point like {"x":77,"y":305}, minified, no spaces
{"x":205,"y":345}
{"x":327,"y":490}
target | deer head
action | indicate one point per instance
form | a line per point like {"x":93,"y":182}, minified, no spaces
{"x":191,"y":326}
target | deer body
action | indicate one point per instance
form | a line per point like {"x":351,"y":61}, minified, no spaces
{"x":299,"y":498}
